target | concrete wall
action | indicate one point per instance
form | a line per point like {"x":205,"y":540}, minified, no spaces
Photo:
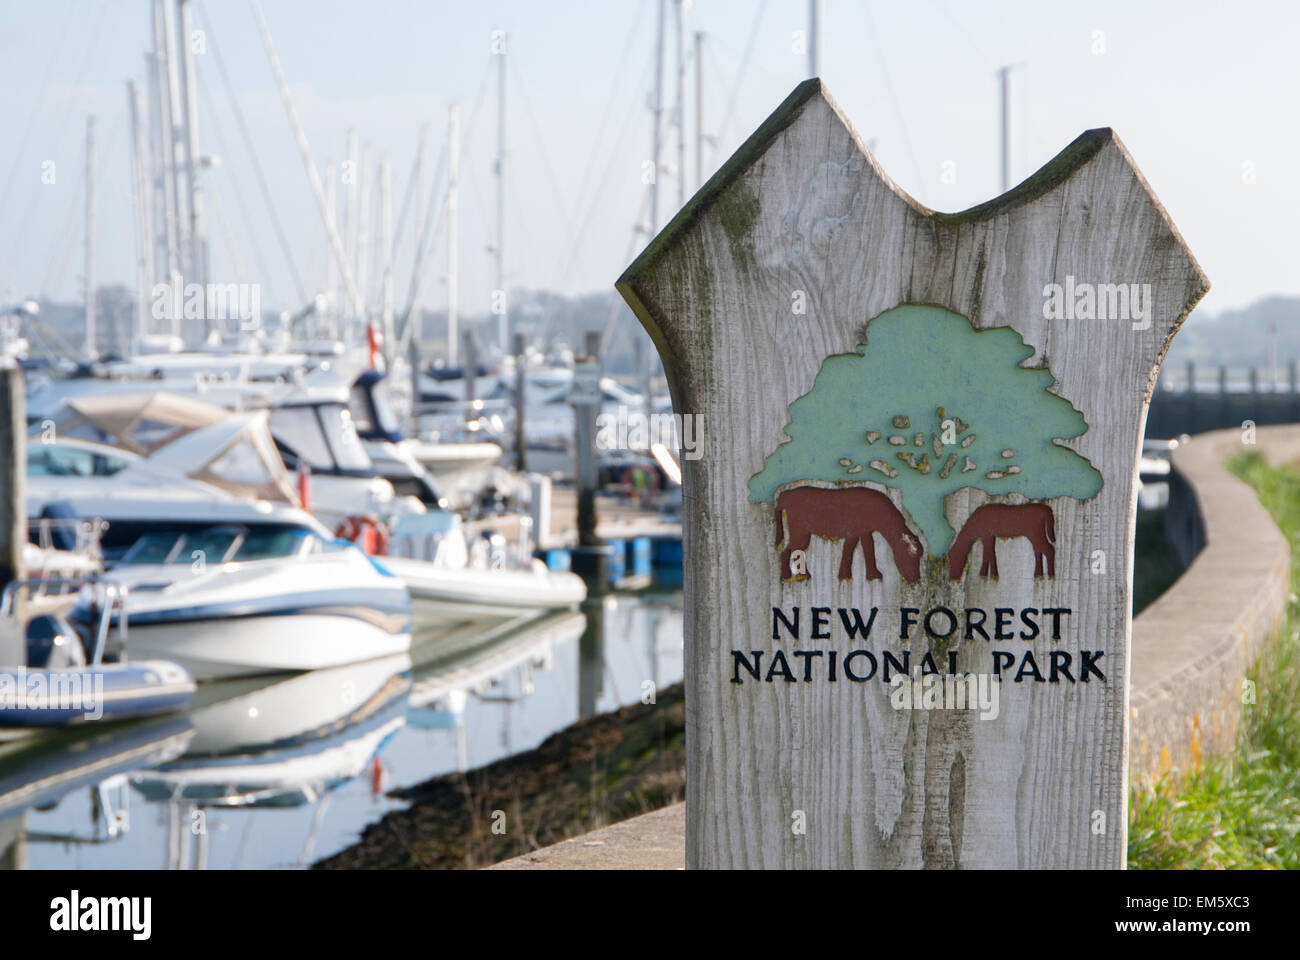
{"x":1192,"y":646}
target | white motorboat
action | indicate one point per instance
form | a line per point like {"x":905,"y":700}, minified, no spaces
{"x":244,"y":453}
{"x":245,"y":588}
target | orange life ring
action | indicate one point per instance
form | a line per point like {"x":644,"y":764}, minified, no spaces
{"x":366,"y":532}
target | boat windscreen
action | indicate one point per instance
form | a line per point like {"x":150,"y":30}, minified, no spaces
{"x":269,"y":542}
{"x":56,"y":460}
{"x":349,"y":452}
{"x":208,"y":546}
{"x":372,"y":415}
{"x":216,"y":543}
{"x":300,"y":429}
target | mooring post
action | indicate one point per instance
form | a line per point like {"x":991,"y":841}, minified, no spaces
{"x":1253,"y":415}
{"x":1294,"y":385}
{"x":413,"y":360}
{"x":591,"y":652}
{"x":1225,"y":410}
{"x":13,"y":508}
{"x":521,"y":394}
{"x":589,"y":558}
{"x":907,"y":615}
{"x":1192,"y":426}
{"x":471,"y":369}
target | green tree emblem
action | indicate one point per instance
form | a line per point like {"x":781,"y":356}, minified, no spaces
{"x":929,"y":406}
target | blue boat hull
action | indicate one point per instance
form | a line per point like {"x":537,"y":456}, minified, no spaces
{"x":58,"y":698}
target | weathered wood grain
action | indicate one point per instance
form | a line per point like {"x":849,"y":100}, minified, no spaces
{"x":803,"y":206}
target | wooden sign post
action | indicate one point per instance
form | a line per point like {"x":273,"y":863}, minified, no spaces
{"x":909,"y":539}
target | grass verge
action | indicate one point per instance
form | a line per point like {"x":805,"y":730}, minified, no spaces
{"x":1241,"y":811}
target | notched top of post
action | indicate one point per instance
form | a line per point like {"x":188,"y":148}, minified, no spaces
{"x":669,"y":290}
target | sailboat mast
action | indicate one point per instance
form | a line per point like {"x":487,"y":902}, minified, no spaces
{"x":453,"y":235}
{"x":143,"y":228}
{"x":679,"y":17}
{"x":350,"y":212}
{"x":658,"y":119}
{"x":814,"y":38}
{"x":171,"y":93}
{"x":1004,"y":99}
{"x":167,"y":267}
{"x":190,"y":115}
{"x":91,"y":345}
{"x":362,"y":252}
{"x":699,"y":109}
{"x":498,"y":251}
{"x":333,"y":300}
{"x":386,"y":259}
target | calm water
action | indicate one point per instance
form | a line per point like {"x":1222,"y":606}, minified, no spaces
{"x":281,"y":772}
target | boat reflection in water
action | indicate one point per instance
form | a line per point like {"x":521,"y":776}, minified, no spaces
{"x":281,"y":771}
{"x":283,"y":745}
{"x":37,"y":773}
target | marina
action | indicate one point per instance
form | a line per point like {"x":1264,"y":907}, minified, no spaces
{"x":711,"y":434}
{"x":282,"y":771}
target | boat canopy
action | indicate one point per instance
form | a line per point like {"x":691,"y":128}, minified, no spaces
{"x":234,"y":452}
{"x":140,"y":422}
{"x":237,"y":455}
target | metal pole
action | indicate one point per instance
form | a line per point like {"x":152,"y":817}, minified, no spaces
{"x":173,"y":158}
{"x":679,"y":16}
{"x":350,"y":213}
{"x":658,"y":121}
{"x":498,"y":252}
{"x":413,"y":358}
{"x":699,"y":109}
{"x":521,"y":445}
{"x":362,"y":252}
{"x":144,"y":229}
{"x":1295,"y":398}
{"x":1223,"y":397}
{"x":814,"y":38}
{"x":471,"y":366}
{"x":92,"y":339}
{"x":453,"y":234}
{"x":164,"y":158}
{"x":1004,"y":88}
{"x":331,"y":268}
{"x":190,"y":111}
{"x":304,"y":151}
{"x":589,"y":559}
{"x":13,"y":508}
{"x":386,"y":259}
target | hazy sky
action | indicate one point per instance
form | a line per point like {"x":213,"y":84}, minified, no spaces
{"x":1204,"y":95}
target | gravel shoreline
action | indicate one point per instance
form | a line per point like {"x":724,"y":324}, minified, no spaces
{"x":599,"y":771}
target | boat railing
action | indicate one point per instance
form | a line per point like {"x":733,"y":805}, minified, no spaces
{"x":87,"y":534}
{"x":109,"y":598}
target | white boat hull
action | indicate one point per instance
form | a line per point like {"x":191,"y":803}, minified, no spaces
{"x":432,"y":588}
{"x":247,"y":646}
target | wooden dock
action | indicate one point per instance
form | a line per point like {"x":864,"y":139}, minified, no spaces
{"x":616,"y":520}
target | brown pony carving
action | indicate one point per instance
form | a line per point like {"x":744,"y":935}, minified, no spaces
{"x":1001,"y":521}
{"x":851,"y":514}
